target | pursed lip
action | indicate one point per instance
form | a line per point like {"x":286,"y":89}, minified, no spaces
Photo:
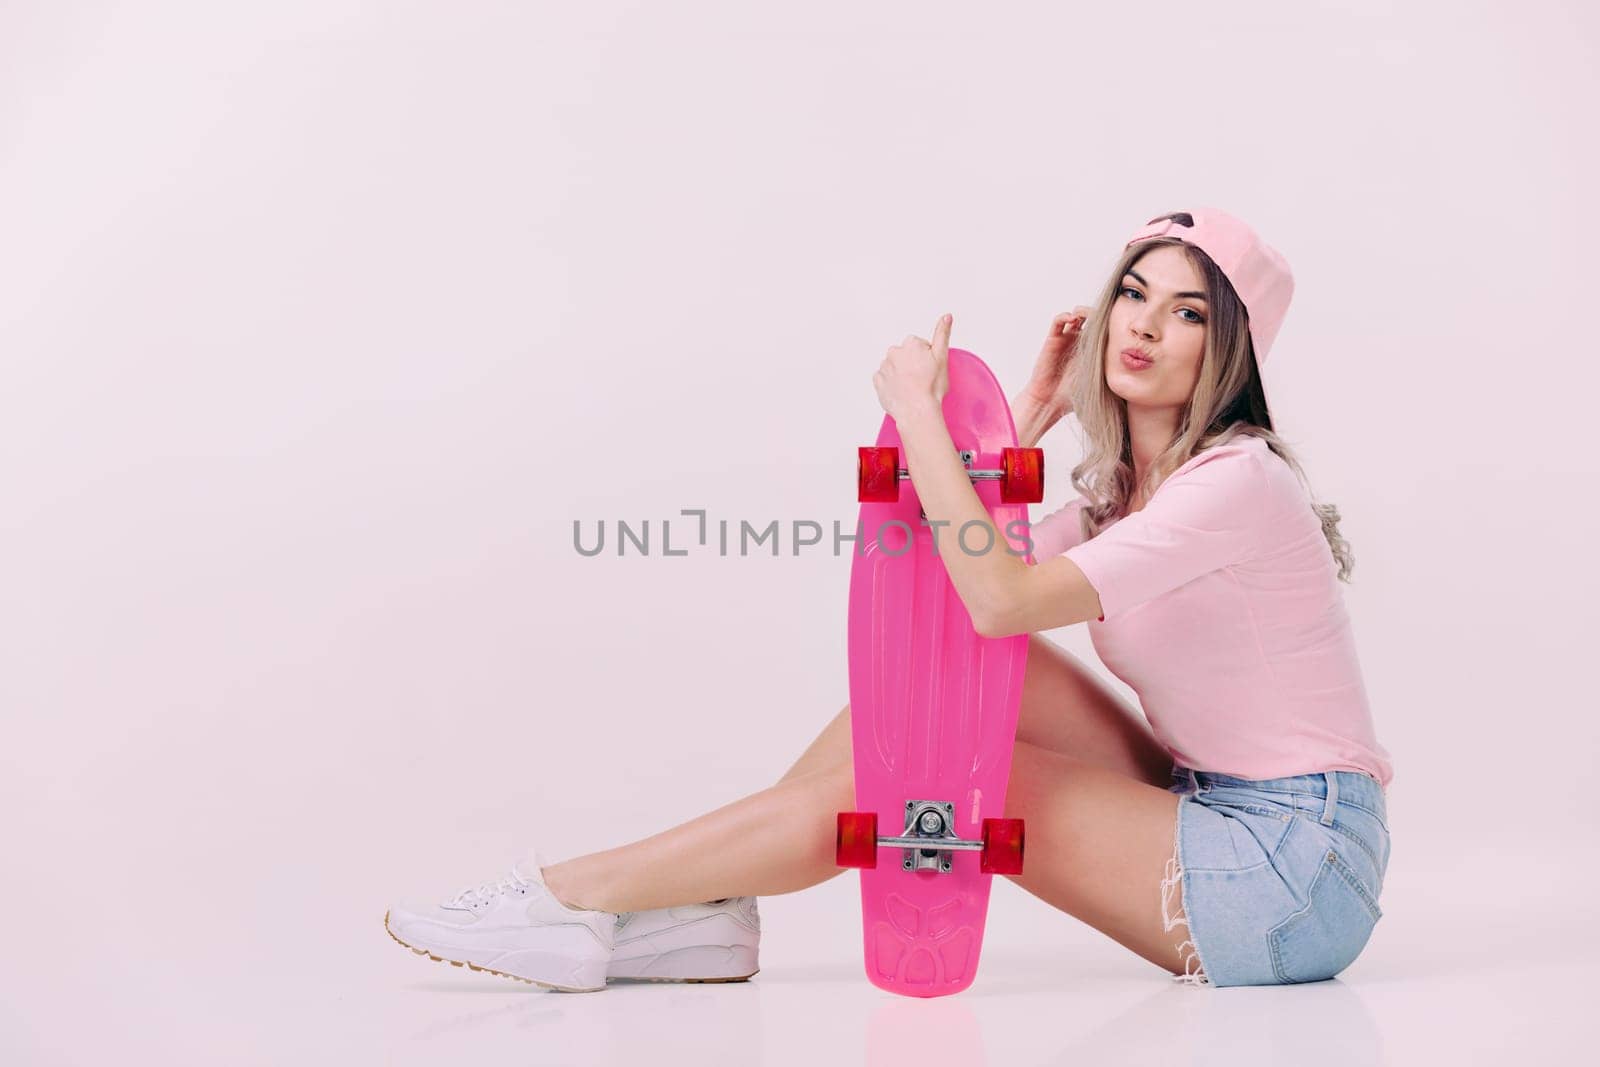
{"x":1138,"y":353}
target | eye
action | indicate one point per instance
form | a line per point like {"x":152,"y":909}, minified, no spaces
{"x":1197,"y":317}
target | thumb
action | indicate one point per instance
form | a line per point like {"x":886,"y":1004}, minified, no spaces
{"x":941,"y":336}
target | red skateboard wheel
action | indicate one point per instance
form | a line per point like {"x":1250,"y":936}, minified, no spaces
{"x":878,"y":475}
{"x":1002,"y":847}
{"x":1023,"y":479}
{"x":857,"y":842}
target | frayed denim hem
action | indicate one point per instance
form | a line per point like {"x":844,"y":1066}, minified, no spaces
{"x":1193,"y":968}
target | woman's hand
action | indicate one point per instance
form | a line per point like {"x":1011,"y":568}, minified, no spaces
{"x":1050,"y":387}
{"x":915,"y":372}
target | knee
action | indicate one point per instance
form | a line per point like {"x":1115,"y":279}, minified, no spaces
{"x":837,"y":785}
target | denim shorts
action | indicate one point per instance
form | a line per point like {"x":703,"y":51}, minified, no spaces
{"x":1280,"y":876}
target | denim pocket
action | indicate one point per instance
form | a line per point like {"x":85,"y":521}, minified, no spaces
{"x":1359,"y":836}
{"x":1325,"y":936}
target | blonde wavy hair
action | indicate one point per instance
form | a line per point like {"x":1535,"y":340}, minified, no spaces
{"x":1228,"y":402}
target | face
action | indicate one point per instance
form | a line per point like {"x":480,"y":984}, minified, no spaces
{"x":1161,"y":311}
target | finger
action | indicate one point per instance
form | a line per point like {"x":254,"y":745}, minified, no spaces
{"x":941,"y":336}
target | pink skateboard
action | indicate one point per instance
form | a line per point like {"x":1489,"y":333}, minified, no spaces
{"x":933,"y":706}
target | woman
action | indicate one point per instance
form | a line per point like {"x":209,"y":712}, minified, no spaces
{"x":1209,"y":579}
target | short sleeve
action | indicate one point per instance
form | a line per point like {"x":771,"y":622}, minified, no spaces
{"x":1205,"y":516}
{"x":1057,"y":531}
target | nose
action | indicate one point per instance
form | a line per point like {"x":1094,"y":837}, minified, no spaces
{"x":1140,"y":323}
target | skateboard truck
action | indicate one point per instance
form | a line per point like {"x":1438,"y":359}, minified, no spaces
{"x":929,"y":821}
{"x":1020,"y":474}
{"x":929,"y":840}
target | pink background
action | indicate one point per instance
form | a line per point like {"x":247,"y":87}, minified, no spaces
{"x":322,"y":321}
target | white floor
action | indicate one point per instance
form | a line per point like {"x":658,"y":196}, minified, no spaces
{"x":1450,"y":977}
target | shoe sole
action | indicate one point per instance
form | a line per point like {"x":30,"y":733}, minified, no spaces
{"x":486,"y":970}
{"x":687,"y":963}
{"x":691,"y":981}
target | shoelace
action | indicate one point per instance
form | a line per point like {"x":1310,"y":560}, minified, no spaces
{"x":481,"y":894}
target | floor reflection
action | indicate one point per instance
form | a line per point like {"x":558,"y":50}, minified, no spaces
{"x":1313,"y":1022}
{"x":928,"y":1032}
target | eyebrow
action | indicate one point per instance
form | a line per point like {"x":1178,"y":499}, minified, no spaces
{"x":1191,"y":294}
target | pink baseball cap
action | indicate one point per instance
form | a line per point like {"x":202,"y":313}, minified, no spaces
{"x":1257,"y":271}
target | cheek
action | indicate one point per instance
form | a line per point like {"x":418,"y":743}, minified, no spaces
{"x":1186,"y":362}
{"x":1116,"y":317}
{"x":1116,"y":329}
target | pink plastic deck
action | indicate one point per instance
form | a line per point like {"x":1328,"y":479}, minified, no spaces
{"x":933,"y":706}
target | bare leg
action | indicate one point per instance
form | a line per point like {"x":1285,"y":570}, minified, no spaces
{"x":781,"y":839}
{"x":740,"y":848}
{"x":775,"y":841}
{"x":1066,"y":708}
{"x":1098,"y":845}
{"x":830,"y":748}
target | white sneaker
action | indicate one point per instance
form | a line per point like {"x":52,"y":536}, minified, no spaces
{"x":513,"y":927}
{"x":714,"y":942}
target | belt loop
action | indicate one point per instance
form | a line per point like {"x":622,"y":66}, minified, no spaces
{"x":1333,"y":798}
{"x":1194,"y":783}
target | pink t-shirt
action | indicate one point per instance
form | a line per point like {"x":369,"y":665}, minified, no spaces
{"x":1223,"y":614}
